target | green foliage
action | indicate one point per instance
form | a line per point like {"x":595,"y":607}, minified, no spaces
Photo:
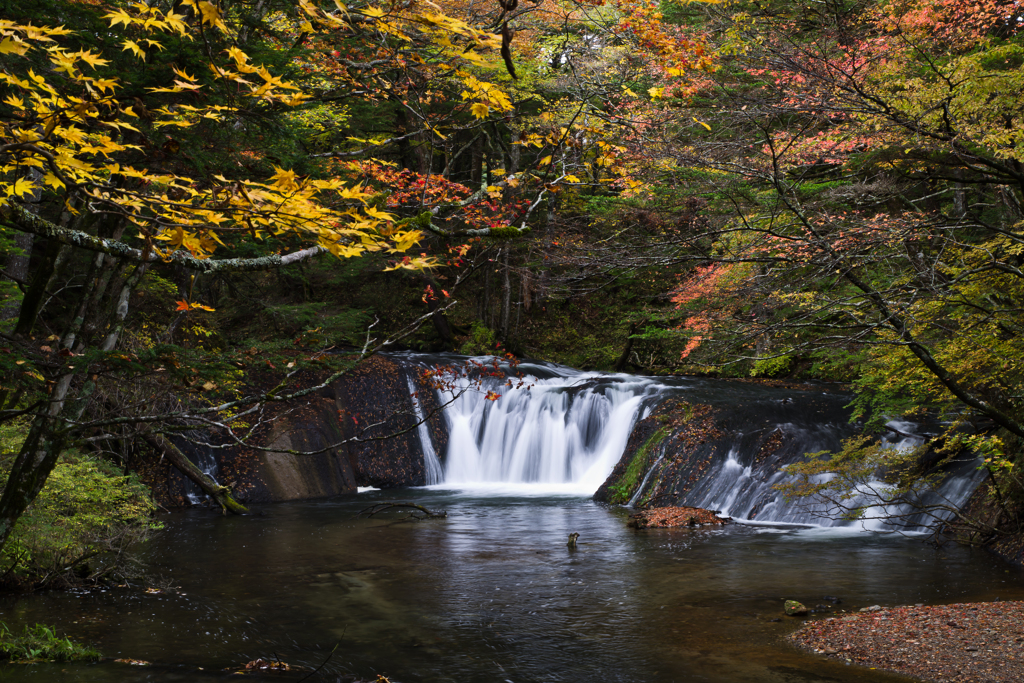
{"x":772,"y":367}
{"x":865,"y":473}
{"x":622,"y":490}
{"x":41,"y":643}
{"x":482,"y":340}
{"x":82,"y":525}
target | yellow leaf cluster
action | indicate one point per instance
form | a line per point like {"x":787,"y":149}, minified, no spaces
{"x":69,"y":132}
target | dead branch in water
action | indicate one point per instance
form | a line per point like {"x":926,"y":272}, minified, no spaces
{"x":384,"y":507}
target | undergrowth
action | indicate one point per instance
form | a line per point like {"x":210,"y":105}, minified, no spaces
{"x":41,"y":643}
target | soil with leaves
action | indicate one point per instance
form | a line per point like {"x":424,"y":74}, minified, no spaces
{"x":965,"y":643}
{"x":675,"y":516}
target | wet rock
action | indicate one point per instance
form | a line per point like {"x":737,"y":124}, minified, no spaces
{"x":795,"y":609}
{"x":675,"y":516}
{"x":873,"y":608}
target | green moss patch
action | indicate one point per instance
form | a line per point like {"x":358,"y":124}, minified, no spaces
{"x":622,"y":490}
{"x":40,"y":643}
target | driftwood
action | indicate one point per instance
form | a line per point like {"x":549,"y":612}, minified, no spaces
{"x":384,"y":507}
{"x":221,"y":494}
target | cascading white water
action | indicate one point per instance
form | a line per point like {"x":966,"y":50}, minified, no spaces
{"x":207,"y":464}
{"x":431,"y":463}
{"x":736,"y":491}
{"x":562,"y":434}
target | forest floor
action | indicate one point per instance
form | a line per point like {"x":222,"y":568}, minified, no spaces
{"x":965,"y":643}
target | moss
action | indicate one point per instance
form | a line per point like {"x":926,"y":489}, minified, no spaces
{"x":40,"y":643}
{"x":418,"y":222}
{"x":622,"y":490}
{"x":83,"y":524}
{"x":507,"y":233}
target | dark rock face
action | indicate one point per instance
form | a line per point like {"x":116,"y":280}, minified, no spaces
{"x":685,"y":434}
{"x":268,"y":476}
{"x":369,"y":403}
{"x":373,"y":402}
{"x":686,"y":442}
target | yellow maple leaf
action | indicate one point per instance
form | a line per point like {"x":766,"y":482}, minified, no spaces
{"x":176,"y":21}
{"x":473,"y":57}
{"x":20,"y":187}
{"x":91,"y":58}
{"x":134,"y":47}
{"x":13,"y":46}
{"x":480,"y":110}
{"x":212,"y":15}
{"x":118,"y":17}
{"x":374,"y":212}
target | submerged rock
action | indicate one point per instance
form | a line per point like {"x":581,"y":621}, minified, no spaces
{"x":675,"y":516}
{"x":795,"y":609}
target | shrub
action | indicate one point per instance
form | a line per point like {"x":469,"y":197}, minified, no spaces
{"x":83,"y":525}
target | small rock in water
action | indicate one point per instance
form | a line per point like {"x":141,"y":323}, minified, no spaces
{"x":831,"y":598}
{"x":794,"y":608}
{"x":873,"y":608}
{"x":572,"y":539}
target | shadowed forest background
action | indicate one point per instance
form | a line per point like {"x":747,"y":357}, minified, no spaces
{"x":211,"y":207}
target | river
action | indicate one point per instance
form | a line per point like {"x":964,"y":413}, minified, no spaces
{"x":491,"y":593}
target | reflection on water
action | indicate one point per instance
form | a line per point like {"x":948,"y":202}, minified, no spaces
{"x":492,"y":594}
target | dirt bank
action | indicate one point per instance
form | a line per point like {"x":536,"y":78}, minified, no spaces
{"x":961,"y":643}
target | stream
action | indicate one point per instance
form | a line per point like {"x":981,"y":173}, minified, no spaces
{"x":491,"y":594}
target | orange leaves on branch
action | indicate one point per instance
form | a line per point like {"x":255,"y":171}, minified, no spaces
{"x":676,"y":51}
{"x":704,"y":285}
{"x":186,"y":306}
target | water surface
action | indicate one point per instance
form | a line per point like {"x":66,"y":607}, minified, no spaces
{"x":491,"y":594}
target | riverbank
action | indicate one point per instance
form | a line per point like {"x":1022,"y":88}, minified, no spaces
{"x":965,"y":642}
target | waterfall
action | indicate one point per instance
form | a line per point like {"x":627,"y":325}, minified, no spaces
{"x":205,"y":460}
{"x":432,"y":464}
{"x":740,"y":489}
{"x":562,"y":431}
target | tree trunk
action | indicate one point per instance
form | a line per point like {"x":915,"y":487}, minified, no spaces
{"x":54,"y":256}
{"x":506,"y":296}
{"x":620,"y":364}
{"x":221,"y":494}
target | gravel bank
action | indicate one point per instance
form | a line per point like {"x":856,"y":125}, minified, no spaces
{"x":962,"y":643}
